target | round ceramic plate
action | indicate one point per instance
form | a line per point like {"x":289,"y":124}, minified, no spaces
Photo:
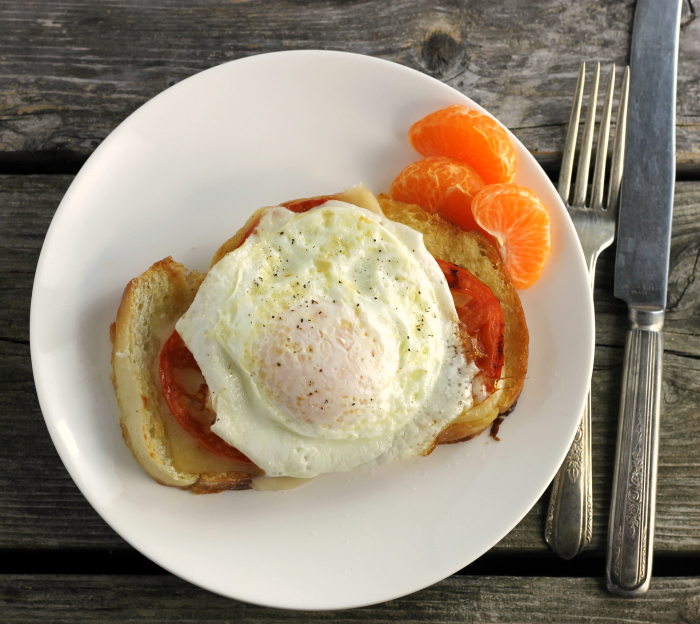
{"x":177,"y":178}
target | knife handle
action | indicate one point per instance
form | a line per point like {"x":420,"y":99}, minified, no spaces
{"x":632,"y":512}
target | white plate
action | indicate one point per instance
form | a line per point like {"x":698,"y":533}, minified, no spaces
{"x":178,"y":177}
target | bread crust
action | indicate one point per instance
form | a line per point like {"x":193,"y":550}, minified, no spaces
{"x":150,"y":306}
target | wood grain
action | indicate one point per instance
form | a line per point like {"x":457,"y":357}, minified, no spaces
{"x":70,"y":71}
{"x":505,"y":599}
{"x":40,"y":507}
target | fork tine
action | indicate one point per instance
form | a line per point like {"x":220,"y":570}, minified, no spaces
{"x":584,"y":159}
{"x":618,"y":159}
{"x":602,"y":151}
{"x":567,"y":164}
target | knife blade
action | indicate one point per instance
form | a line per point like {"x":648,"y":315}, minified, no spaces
{"x":641,"y":279}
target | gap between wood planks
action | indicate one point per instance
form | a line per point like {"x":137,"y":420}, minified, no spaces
{"x":59,"y":162}
{"x":109,"y":562}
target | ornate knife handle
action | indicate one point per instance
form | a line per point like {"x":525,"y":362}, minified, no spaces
{"x":570,"y":513}
{"x":632,"y":512}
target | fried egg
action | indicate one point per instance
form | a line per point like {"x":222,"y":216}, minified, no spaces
{"x":329,"y":340}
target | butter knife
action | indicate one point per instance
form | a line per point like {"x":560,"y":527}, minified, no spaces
{"x":641,"y":278}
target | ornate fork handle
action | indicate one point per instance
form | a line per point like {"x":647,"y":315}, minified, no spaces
{"x":569,"y":521}
{"x":569,"y":525}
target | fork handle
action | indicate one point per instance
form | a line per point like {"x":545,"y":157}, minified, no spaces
{"x":569,"y":521}
{"x":632,"y":513}
{"x":569,"y":524}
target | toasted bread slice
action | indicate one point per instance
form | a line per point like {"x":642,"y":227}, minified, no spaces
{"x":472,"y":251}
{"x":149,"y":309}
{"x":154,"y":302}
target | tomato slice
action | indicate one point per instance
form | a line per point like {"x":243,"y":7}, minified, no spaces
{"x":249,"y":231}
{"x":305,"y":204}
{"x":179,"y":375}
{"x":481,"y":316}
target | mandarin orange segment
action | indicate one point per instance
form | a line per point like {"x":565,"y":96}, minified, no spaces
{"x":469,"y":136}
{"x":442,"y":186}
{"x":519,"y":221}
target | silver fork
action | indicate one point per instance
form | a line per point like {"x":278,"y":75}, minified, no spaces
{"x":569,"y":521}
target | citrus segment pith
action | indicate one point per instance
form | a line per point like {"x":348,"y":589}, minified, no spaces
{"x":468,"y":136}
{"x":519,"y":221}
{"x":442,"y":186}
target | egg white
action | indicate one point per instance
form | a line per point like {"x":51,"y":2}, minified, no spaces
{"x":329,"y":341}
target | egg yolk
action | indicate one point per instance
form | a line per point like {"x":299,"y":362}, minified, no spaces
{"x":317,"y":366}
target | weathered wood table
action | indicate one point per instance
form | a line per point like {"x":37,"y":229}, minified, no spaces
{"x":71,"y":71}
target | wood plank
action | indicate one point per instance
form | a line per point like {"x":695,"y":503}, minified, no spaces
{"x":69,"y":598}
{"x":40,"y":507}
{"x":70,"y":71}
{"x":27,"y":205}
